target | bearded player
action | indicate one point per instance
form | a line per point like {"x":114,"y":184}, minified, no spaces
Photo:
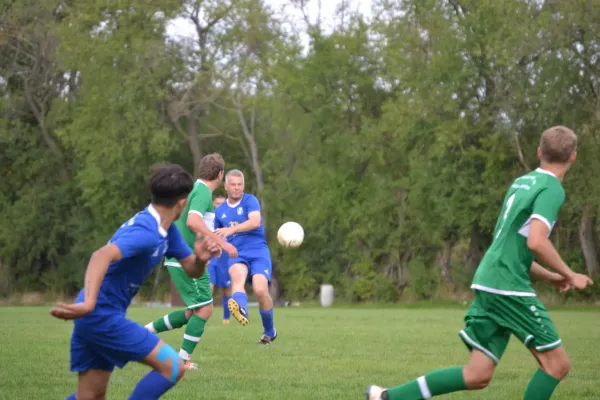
{"x":505,"y":303}
{"x":196,"y":221}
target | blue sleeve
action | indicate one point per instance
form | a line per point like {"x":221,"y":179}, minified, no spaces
{"x":134,"y":240}
{"x":178,"y":248}
{"x":252,"y":204}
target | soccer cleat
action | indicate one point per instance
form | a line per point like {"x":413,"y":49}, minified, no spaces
{"x":225,"y":322}
{"x":267,"y":340}
{"x":238,"y":312}
{"x":190,"y":365}
{"x":376,"y":393}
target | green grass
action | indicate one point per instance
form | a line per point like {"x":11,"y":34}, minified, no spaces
{"x":320,"y":354}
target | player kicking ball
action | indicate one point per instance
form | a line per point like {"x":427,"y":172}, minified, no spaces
{"x":505,"y":303}
{"x":238,"y":220}
{"x":197,"y":220}
{"x":219,"y":274}
{"x":103,"y":337}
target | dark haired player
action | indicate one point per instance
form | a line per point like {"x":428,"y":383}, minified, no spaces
{"x":103,"y":337}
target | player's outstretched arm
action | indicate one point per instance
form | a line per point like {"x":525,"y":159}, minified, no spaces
{"x":94,"y":276}
{"x":197,"y":225}
{"x":542,"y":247}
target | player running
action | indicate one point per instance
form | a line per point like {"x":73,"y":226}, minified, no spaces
{"x":239,"y":220}
{"x":219,"y":274}
{"x":197,"y":220}
{"x":505,"y":303}
{"x":103,"y":337}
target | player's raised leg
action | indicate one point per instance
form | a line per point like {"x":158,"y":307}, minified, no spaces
{"x":168,"y":369}
{"x":477,"y":374}
{"x":260,"y":284}
{"x":238,"y":304}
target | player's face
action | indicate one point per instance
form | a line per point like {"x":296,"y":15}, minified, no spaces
{"x":218,"y":201}
{"x":235,"y":187}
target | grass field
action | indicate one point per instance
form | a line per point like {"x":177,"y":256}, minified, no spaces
{"x":320,"y":354}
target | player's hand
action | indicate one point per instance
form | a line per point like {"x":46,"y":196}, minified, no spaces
{"x":206,"y":248}
{"x":580,"y":281}
{"x":230,"y":250}
{"x":224,"y":232}
{"x":71,"y":311}
{"x":562,"y":285}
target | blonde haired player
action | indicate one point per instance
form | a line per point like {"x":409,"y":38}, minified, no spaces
{"x":505,"y":303}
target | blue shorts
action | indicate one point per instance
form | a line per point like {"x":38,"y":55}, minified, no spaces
{"x":105,"y":341}
{"x":218,"y":270}
{"x":257,"y":259}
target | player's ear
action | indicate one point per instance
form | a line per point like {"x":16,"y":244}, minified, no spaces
{"x":539,"y":153}
{"x":573,"y":157}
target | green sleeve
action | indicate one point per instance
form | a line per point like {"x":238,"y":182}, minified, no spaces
{"x":547,"y":205}
{"x":200,"y":203}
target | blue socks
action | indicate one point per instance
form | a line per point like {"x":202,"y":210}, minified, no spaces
{"x":72,"y":396}
{"x":226,"y":312}
{"x":267,"y":320}
{"x":151,"y":387}
{"x":242,"y":299}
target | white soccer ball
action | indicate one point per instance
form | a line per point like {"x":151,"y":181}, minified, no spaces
{"x":290,"y":234}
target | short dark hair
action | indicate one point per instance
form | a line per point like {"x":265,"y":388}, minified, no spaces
{"x":169,"y":184}
{"x":210,"y":166}
{"x":219,"y":196}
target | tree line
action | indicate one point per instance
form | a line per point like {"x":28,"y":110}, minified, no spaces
{"x":391,"y":139}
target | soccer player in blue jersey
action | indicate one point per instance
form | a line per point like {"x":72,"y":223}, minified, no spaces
{"x":103,"y":337}
{"x":239,"y":221}
{"x":218,"y":271}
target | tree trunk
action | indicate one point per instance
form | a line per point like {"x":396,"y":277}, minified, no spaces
{"x":194,"y":143}
{"x":587,"y":239}
{"x":444,"y":260}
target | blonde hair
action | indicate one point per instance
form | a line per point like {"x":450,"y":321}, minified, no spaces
{"x":234,"y":172}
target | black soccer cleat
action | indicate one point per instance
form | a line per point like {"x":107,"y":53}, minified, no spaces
{"x":267,"y":340}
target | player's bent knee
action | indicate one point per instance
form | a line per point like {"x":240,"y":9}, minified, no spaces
{"x":172,"y":366}
{"x":556,"y":364}
{"x":477,"y":379}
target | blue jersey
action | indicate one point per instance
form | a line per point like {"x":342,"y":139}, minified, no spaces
{"x":143,"y":243}
{"x":230,"y":215}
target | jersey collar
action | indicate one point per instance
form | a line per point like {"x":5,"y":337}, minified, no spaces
{"x":156,"y":216}
{"x":543,"y":171}
{"x":202,"y":182}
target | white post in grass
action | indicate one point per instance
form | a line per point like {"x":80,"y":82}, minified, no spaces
{"x":327,"y":295}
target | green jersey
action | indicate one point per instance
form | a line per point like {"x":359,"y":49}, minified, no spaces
{"x":504,"y":269}
{"x":199,"y":202}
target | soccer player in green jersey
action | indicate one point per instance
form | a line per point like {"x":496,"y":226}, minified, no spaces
{"x":505,"y":303}
{"x":197,"y":220}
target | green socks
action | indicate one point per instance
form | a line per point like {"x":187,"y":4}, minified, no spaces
{"x":442,"y":381}
{"x":540,"y":386}
{"x":171,"y":321}
{"x":193,"y":332}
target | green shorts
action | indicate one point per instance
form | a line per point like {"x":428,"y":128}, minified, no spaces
{"x":492,"y":318}
{"x":195,"y":293}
